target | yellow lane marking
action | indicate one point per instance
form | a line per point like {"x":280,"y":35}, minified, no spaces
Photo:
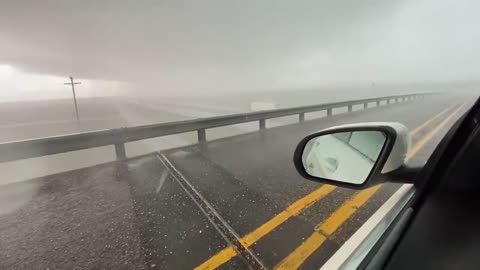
{"x":424,"y":140}
{"x":294,"y":209}
{"x":419,"y":128}
{"x":220,"y":258}
{"x":325,"y":229}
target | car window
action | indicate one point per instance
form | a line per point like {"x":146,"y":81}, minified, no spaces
{"x":160,"y":134}
{"x":334,"y":159}
{"x":368,"y":143}
{"x":343,"y":136}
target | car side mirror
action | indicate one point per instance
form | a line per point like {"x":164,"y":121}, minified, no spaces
{"x":355,"y":156}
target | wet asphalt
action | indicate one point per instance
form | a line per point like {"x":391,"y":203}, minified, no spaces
{"x":140,"y":215}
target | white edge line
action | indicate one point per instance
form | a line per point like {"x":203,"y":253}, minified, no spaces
{"x":338,"y":260}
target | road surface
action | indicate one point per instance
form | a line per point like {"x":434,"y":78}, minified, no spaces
{"x":233,"y":203}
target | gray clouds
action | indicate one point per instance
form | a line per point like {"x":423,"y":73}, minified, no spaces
{"x":187,"y":45}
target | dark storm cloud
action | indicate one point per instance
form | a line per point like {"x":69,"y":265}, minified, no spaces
{"x":242,"y":44}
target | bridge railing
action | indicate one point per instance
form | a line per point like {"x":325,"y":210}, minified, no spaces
{"x":17,"y":150}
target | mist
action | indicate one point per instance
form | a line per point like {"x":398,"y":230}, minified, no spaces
{"x":182,"y":48}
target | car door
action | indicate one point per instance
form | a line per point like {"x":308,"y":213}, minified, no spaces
{"x":427,"y":234}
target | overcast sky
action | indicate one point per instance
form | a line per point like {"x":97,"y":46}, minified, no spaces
{"x":177,"y":47}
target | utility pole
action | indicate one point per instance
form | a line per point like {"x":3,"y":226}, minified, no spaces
{"x":74,"y":96}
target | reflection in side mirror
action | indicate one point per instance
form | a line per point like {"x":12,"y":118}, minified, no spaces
{"x":347,"y":157}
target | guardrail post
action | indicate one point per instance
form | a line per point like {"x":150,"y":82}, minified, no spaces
{"x":301,"y":117}
{"x":350,"y":108}
{"x":120,"y":151}
{"x":378,"y":103}
{"x":365,"y":105}
{"x":202,"y":136}
{"x":329,"y":112}
{"x":261,"y":123}
{"x":388,"y":101}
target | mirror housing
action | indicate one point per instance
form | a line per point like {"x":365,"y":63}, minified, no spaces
{"x":388,"y":166}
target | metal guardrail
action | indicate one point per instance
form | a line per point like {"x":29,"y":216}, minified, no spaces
{"x":17,"y":150}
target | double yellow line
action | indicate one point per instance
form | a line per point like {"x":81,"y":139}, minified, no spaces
{"x":330,"y":225}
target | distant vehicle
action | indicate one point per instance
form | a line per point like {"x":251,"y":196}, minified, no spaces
{"x":262,"y":106}
{"x":436,"y":226}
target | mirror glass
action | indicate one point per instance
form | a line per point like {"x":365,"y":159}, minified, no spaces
{"x":347,"y":157}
